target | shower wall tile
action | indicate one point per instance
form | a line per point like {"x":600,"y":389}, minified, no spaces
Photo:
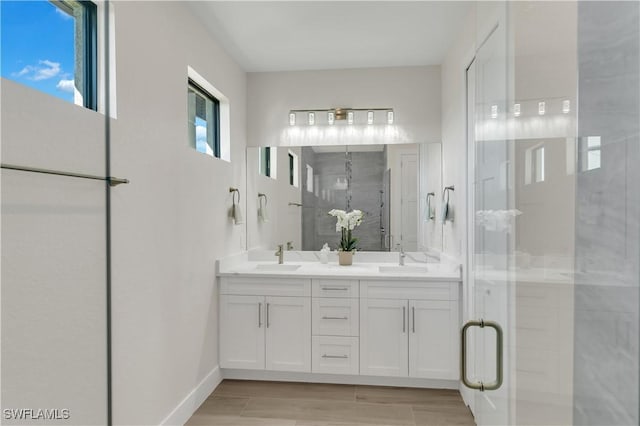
{"x":363,"y":193}
{"x":608,"y":217}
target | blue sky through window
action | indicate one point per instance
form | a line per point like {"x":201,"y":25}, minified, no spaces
{"x":38,"y":46}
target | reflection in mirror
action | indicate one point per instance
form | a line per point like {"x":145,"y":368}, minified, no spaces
{"x":398,"y":187}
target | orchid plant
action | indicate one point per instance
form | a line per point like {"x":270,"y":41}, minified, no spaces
{"x":346,"y":222}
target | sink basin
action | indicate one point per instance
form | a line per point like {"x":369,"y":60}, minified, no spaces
{"x":277,"y":267}
{"x":403,"y":269}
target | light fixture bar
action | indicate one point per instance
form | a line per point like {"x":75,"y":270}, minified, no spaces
{"x":339,"y":114}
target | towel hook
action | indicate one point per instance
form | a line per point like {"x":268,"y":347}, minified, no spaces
{"x":266,"y":200}
{"x":235,"y":190}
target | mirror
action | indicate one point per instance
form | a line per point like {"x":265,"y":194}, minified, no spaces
{"x":398,"y":187}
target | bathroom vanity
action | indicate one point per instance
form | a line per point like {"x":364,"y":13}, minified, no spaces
{"x":374,"y":322}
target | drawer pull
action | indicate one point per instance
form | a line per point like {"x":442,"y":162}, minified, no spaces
{"x":259,"y":315}
{"x":268,"y":323}
{"x":404,"y":318}
{"x":335,"y":356}
{"x":335,"y":318}
{"x":413,"y":318}
{"x":336,"y":288}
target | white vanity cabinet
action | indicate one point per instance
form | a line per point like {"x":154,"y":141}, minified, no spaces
{"x":265,"y":324}
{"x":400,"y":330}
{"x":409,"y":329}
{"x":335,"y":326}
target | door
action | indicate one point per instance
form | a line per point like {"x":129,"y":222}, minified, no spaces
{"x":383,"y":337}
{"x":288,"y":333}
{"x":433,"y":342}
{"x":489,"y":246}
{"x":242,"y":332}
{"x":409,"y":201}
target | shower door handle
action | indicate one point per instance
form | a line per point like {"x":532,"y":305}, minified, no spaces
{"x":499,"y":360}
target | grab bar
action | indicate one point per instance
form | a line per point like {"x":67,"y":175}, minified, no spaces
{"x":113,"y":181}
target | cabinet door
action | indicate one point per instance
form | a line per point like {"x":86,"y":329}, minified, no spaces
{"x":288,"y":322}
{"x":383,"y":337}
{"x":242,"y":332}
{"x":433,"y":339}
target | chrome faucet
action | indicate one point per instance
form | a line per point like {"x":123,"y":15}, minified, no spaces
{"x":289,"y":245}
{"x":401,"y":256}
{"x":280,"y":254}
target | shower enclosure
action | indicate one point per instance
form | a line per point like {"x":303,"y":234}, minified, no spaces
{"x":554,"y":214}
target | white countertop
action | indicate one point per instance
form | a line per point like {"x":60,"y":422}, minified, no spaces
{"x":362,"y":270}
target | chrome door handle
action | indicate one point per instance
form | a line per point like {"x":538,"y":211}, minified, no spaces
{"x":463,"y":358}
{"x":336,"y":288}
{"x":259,"y":315}
{"x":404,"y":319}
{"x":335,"y":356}
{"x":268,"y":324}
{"x":335,"y":318}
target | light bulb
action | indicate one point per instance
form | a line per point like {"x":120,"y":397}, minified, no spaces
{"x":331,"y":117}
{"x":350,"y":117}
{"x":390,"y":117}
{"x":516,"y":110}
{"x":312,"y":119}
{"x":292,"y":119}
{"x":370,"y":117}
{"x":542,"y":108}
{"x":566,"y":106}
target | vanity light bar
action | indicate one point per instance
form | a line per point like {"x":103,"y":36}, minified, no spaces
{"x":340,"y":114}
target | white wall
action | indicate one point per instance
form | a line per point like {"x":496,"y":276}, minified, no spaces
{"x":454,"y":131}
{"x":413,"y":93}
{"x":170,"y":224}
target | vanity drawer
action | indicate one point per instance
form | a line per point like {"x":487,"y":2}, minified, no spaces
{"x":334,"y":288}
{"x":294,"y":287}
{"x":335,"y":317}
{"x":335,"y":355}
{"x":370,"y":289}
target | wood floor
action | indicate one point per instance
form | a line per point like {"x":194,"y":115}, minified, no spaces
{"x":249,"y":403}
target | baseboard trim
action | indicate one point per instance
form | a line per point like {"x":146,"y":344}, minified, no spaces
{"x":185,"y":409}
{"x":228,"y":373}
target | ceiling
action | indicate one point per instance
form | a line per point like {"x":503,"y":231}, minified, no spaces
{"x":315,"y":35}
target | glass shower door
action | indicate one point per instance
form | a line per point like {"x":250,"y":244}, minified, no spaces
{"x":555,"y":227}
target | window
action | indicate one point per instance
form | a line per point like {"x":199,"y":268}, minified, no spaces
{"x":592,"y":149}
{"x":309,"y":178}
{"x":534,"y":164}
{"x":293,"y":169}
{"x":204,"y":121}
{"x":268,"y":161}
{"x":50,"y":46}
{"x":265,"y":161}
